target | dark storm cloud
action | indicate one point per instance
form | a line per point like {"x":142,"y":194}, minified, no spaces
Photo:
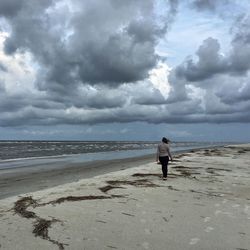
{"x":222,"y":78}
{"x":2,"y":87}
{"x":235,"y":94}
{"x":101,"y":42}
{"x":178,"y":91}
{"x":10,"y":7}
{"x":240,"y":55}
{"x":3,"y":68}
{"x":208,"y":4}
{"x":150,"y":97}
{"x":93,"y":62}
{"x":210,"y":60}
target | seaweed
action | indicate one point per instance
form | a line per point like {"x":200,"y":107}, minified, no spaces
{"x":136,"y":183}
{"x":41,"y":225}
{"x":105,"y":189}
{"x":21,"y":206}
{"x":79,"y":198}
{"x":145,"y":174}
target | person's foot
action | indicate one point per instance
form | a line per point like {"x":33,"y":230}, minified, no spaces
{"x":164,"y":178}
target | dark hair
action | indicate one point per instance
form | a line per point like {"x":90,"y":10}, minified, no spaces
{"x":165,"y":140}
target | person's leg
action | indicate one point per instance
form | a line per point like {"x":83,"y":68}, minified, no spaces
{"x":161,"y":159}
{"x":164,"y":171}
{"x":164,"y":164}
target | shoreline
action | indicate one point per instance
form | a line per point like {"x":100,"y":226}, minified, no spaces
{"x":204,"y":204}
{"x":19,"y":180}
{"x":29,"y":179}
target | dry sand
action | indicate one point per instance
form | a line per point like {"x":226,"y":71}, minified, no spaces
{"x":204,"y":204}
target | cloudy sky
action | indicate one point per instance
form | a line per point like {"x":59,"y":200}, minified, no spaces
{"x":125,"y":69}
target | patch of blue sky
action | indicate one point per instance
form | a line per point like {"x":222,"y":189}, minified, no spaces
{"x":188,"y":32}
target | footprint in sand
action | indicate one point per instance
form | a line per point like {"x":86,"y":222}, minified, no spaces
{"x":147,"y":231}
{"x":145,"y":245}
{"x":235,"y":205}
{"x":209,"y":229}
{"x":194,"y":241}
{"x":207,"y":219}
{"x":246,"y":209}
{"x":217,"y":212}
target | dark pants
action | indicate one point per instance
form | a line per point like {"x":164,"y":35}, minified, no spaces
{"x":164,"y":164}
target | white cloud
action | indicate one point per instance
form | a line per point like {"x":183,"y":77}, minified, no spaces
{"x":159,"y":78}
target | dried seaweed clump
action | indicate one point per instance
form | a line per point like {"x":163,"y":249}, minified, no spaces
{"x":145,"y":174}
{"x":22,"y":205}
{"x":106,"y":188}
{"x":41,"y":229}
{"x":136,"y":183}
{"x":80,"y":198}
{"x":41,"y":225}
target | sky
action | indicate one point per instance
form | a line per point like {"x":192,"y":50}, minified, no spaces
{"x":125,"y":70}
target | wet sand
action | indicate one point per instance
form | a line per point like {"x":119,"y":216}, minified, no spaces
{"x":204,"y":204}
{"x":29,"y":179}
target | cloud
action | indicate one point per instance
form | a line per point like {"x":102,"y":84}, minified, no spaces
{"x":73,"y":62}
{"x":208,"y":4}
{"x":240,"y":54}
{"x":239,"y":91}
{"x":222,"y":79}
{"x":79,"y":42}
{"x":10,"y":8}
{"x":3,"y":68}
{"x":211,"y":61}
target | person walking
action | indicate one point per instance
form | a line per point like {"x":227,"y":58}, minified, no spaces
{"x":163,"y":156}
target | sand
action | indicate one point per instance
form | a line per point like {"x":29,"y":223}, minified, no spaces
{"x":44,"y":175}
{"x":204,"y":204}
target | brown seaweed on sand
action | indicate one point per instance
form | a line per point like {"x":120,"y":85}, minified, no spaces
{"x":136,"y":183}
{"x":41,"y":225}
{"x":21,"y":206}
{"x":106,"y":188}
{"x":41,"y":229}
{"x":145,"y":174}
{"x":79,"y":198}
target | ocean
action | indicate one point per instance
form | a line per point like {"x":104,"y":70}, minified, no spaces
{"x":27,"y":166}
{"x":15,"y":154}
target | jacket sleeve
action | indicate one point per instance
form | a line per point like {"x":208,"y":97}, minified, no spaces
{"x":170,"y":156}
{"x":157,"y":153}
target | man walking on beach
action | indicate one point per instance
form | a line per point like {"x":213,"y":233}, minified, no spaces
{"x":163,"y":155}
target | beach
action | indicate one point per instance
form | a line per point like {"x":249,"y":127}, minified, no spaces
{"x":204,"y":204}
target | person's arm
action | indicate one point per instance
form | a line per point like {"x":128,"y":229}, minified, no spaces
{"x":170,"y":155}
{"x":157,"y":154}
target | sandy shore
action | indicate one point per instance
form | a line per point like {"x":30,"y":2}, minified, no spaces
{"x":204,"y":204}
{"x":17,"y":181}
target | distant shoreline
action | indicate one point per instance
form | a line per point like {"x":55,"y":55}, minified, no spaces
{"x":15,"y":181}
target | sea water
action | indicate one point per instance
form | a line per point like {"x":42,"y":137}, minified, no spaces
{"x":15,"y":154}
